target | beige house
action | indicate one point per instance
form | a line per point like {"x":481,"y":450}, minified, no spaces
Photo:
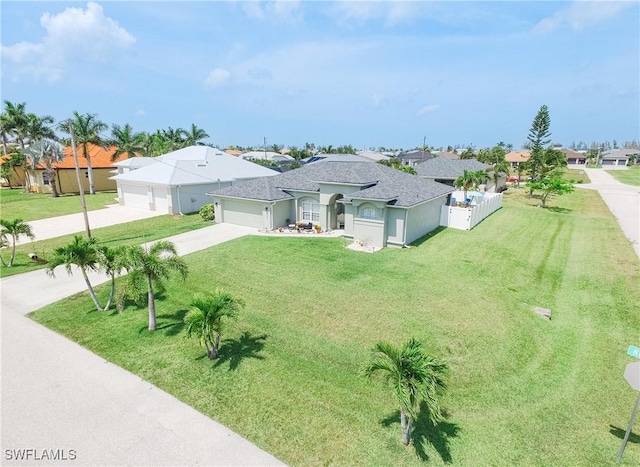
{"x":515,"y":158}
{"x":375,"y":204}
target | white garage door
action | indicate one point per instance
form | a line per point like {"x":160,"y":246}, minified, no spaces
{"x":135,"y":196}
{"x":160,"y":200}
{"x":246,"y":213}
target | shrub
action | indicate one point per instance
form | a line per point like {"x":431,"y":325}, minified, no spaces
{"x":208,"y":212}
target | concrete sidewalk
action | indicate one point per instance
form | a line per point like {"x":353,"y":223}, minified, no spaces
{"x":73,"y":223}
{"x":623,"y":202}
{"x":57,"y":395}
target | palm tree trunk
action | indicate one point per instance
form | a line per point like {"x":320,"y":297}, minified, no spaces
{"x":51,"y":175}
{"x":111,"y":293}
{"x":215,"y":348}
{"x":13,"y":250}
{"x":406,"y":423}
{"x":92,"y":188}
{"x":90,"y":288}
{"x":152,"y":306}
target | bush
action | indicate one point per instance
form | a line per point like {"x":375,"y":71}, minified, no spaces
{"x":208,"y":212}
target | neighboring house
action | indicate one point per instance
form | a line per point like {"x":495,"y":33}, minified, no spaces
{"x":448,"y":170}
{"x":448,"y":155}
{"x":617,"y":157}
{"x":17,"y":174}
{"x":373,"y":156}
{"x":178,"y":182}
{"x":412,"y":158}
{"x":515,"y":158}
{"x":375,"y":204}
{"x":67,"y":182}
{"x":233,"y":152}
{"x":574,"y":158}
{"x":335,"y":158}
{"x":267,"y":155}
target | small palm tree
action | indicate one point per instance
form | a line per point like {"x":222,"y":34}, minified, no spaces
{"x":48,"y":153}
{"x":82,"y":253}
{"x":204,"y":320}
{"x":110,"y":260}
{"x":414,"y":376}
{"x":499,"y":167}
{"x":149,"y":267}
{"x":14,"y":229}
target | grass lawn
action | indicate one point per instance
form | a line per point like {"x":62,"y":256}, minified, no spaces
{"x":578,"y":175}
{"x":631,"y":176}
{"x":522,"y":390}
{"x":131,"y":233}
{"x":31,"y":206}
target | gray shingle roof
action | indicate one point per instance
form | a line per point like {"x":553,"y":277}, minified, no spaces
{"x":448,"y":168}
{"x":377,"y":182}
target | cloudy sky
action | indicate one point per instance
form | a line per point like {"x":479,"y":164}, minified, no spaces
{"x":367,"y":74}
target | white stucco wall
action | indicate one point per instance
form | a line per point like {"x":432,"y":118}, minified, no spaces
{"x":423,"y":219}
{"x":190,"y":198}
{"x":395,"y":226}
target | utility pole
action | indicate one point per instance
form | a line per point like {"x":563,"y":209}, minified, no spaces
{"x":75,"y":161}
{"x":265,"y":147}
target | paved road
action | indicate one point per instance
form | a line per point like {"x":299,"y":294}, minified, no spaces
{"x":73,"y":223}
{"x":623,"y":202}
{"x":58,"y":395}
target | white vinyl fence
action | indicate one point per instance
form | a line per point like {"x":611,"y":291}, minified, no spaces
{"x":466,"y":218}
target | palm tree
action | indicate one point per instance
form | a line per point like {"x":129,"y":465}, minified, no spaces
{"x":147,"y":267}
{"x":466,"y":181}
{"x":82,"y":253}
{"x":5,"y":129}
{"x":87,"y":129}
{"x":111,"y":261}
{"x":194,"y":135}
{"x":14,"y":229}
{"x":414,"y":376}
{"x":499,"y":167}
{"x":204,"y":320}
{"x":39,"y":128}
{"x":47,"y":153}
{"x":17,"y":120}
{"x":126,"y":141}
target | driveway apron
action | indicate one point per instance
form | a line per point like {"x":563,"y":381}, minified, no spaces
{"x":60,"y":399}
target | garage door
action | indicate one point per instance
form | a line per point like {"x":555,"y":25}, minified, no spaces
{"x":160,"y":200}
{"x":246,"y":213}
{"x":609,"y":162}
{"x":135,"y":196}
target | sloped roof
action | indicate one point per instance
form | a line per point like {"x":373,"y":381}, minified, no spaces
{"x":415,"y":155}
{"x":448,"y":168}
{"x":376,"y":181}
{"x":194,"y":165}
{"x":335,"y":158}
{"x":620,"y":153}
{"x":449,"y":155}
{"x":101,"y":158}
{"x":268,"y":155}
{"x":373,"y":155}
{"x":518,"y":156}
{"x":573,"y":154}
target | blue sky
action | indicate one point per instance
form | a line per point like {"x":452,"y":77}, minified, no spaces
{"x":367,"y":74}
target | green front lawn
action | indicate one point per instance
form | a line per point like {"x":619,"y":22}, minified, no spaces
{"x":522,"y":390}
{"x":577,"y":175}
{"x":32,"y":206}
{"x":131,"y":233}
{"x":631,"y":176}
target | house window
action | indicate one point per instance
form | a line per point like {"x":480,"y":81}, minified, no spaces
{"x":369,"y":212}
{"x":45,"y":179}
{"x":310,"y":211}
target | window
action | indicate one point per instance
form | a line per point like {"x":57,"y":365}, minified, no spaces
{"x":45,"y":179}
{"x":369,"y":212}
{"x":310,"y":211}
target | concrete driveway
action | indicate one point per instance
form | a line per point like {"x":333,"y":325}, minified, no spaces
{"x":73,"y":223}
{"x":623,"y":202}
{"x":59,"y":396}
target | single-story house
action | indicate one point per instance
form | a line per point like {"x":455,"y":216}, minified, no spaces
{"x":515,"y":158}
{"x":373,"y":156}
{"x":448,"y":170}
{"x":335,"y":158}
{"x":267,"y":155}
{"x":67,"y":182}
{"x":574,"y":158}
{"x":375,"y":204}
{"x":413,"y":158}
{"x":178,"y":182}
{"x":448,"y":155}
{"x":16,"y":173}
{"x":616,"y":157}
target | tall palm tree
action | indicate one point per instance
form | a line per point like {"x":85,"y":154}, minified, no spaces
{"x":500,"y":167}
{"x":87,"y":129}
{"x":5,"y":130}
{"x":39,"y":128}
{"x":48,"y":153}
{"x":204,"y":320}
{"x":175,"y":138}
{"x":126,"y":141}
{"x":194,"y":135}
{"x":82,"y":253}
{"x":414,"y":376}
{"x":17,"y":120}
{"x":147,"y":267}
{"x":14,"y":229}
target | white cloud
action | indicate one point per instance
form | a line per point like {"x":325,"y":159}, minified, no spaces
{"x":580,"y":15}
{"x":75,"y":34}
{"x":427,"y":109}
{"x":141,"y":113}
{"x":280,"y":11}
{"x":351,"y":12}
{"x":216,"y":77}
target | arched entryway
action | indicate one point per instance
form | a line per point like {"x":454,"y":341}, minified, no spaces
{"x":336,"y":212}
